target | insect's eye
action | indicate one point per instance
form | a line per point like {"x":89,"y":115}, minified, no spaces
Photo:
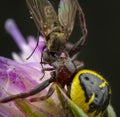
{"x":90,"y":91}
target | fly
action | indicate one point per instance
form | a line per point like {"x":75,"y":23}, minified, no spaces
{"x":56,"y":29}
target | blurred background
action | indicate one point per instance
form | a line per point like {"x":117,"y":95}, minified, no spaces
{"x":102,"y":49}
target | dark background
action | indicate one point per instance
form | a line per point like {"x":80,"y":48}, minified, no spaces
{"x":102,"y":49}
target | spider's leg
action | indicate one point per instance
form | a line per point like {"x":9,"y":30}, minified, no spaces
{"x":34,"y":91}
{"x":76,"y":48}
{"x":80,"y":43}
{"x":80,"y":65}
{"x":49,"y":93}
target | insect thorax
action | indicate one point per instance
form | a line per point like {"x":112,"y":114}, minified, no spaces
{"x":56,"y":42}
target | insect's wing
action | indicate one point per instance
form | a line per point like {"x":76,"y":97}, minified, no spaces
{"x":66,"y":14}
{"x":43,"y":14}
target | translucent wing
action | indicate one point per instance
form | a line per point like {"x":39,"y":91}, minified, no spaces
{"x":43,"y":14}
{"x":66,"y":13}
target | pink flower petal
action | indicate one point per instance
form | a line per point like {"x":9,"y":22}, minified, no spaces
{"x":16,"y":78}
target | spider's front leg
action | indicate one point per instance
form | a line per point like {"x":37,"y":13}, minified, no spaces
{"x":49,"y":93}
{"x":34,"y":91}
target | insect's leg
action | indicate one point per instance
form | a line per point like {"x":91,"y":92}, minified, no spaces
{"x":34,"y":48}
{"x":42,"y":62}
{"x":80,"y":43}
{"x":68,"y":46}
{"x":77,"y":47}
{"x":49,"y":93}
{"x":82,"y":20}
{"x":42,"y":56}
{"x":34,"y":91}
{"x":48,"y":69}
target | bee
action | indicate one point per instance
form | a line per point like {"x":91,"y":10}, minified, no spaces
{"x":56,"y":29}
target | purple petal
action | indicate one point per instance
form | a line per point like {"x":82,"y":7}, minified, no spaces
{"x":9,"y":111}
{"x":13,"y":30}
{"x":16,"y":78}
{"x":26,"y":48}
{"x":36,"y":56}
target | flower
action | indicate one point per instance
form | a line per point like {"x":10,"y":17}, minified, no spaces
{"x":25,"y":47}
{"x":21,"y":75}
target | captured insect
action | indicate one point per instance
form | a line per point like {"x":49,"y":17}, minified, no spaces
{"x":86,"y":88}
{"x":56,"y":29}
